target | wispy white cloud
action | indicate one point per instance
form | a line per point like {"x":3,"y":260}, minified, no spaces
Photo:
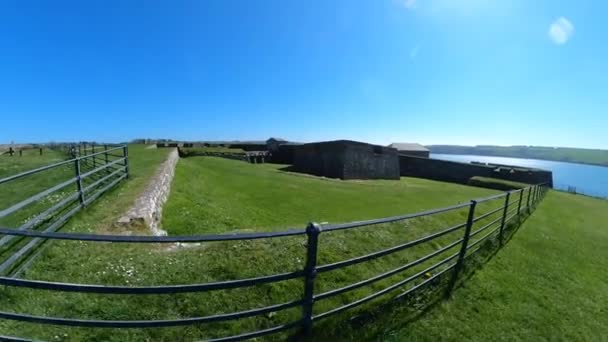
{"x":414,"y":51}
{"x":561,"y":30}
{"x":408,"y":4}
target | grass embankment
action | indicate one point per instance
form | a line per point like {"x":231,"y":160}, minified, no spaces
{"x":213,"y":149}
{"x":201,"y":151}
{"x":564,"y":154}
{"x":18,"y":190}
{"x":494,"y":183}
{"x":211,"y":195}
{"x":97,"y":217}
{"x":543,"y":285}
{"x":14,"y":192}
{"x":218,"y":195}
{"x":548,"y":284}
{"x":31,"y":159}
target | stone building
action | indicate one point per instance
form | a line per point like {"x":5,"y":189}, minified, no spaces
{"x":347,"y":159}
{"x":411,"y":149}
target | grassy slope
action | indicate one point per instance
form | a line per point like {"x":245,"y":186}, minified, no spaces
{"x":98,"y":216}
{"x":523,"y":293}
{"x":212,"y":149}
{"x":15,"y":191}
{"x":549,"y":283}
{"x":20,"y":189}
{"x":495,"y":183}
{"x":575,"y":155}
{"x":122,"y":264}
{"x":30,"y":160}
{"x":212,"y":195}
{"x":144,"y":164}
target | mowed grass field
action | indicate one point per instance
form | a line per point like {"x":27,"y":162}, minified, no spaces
{"x":211,"y":195}
{"x":17,"y":190}
{"x":124,"y":264}
{"x":13,"y":192}
{"x":548,"y":284}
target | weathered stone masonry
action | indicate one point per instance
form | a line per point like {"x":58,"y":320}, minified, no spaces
{"x":456,"y":172}
{"x":148,"y":207}
{"x":347,"y":159}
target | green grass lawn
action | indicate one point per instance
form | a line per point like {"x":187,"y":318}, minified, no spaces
{"x":15,"y":191}
{"x":18,"y":190}
{"x":31,"y":159}
{"x":122,"y":264}
{"x":193,"y":150}
{"x":548,"y":284}
{"x":212,"y":195}
{"x":495,"y":183}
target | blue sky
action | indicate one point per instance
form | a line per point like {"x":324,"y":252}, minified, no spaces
{"x":428,"y":71}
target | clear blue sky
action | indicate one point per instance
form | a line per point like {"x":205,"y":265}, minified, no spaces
{"x":428,"y":71}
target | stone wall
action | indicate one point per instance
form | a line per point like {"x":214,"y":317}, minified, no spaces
{"x":148,"y":206}
{"x":424,"y":154}
{"x":283,"y":154}
{"x":347,"y":160}
{"x":455,"y":172}
{"x":320,"y":159}
{"x":365,"y":161}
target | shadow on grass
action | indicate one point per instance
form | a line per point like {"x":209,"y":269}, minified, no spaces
{"x":379,"y":322}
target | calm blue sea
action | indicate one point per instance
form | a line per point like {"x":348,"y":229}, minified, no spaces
{"x":588,"y":179}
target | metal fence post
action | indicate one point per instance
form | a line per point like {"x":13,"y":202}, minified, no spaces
{"x":94,"y":160}
{"x":543,"y":191}
{"x":528,"y":203}
{"x":521,"y":196}
{"x":79,"y":180}
{"x":463,"y":248}
{"x":504,"y":219}
{"x":310,"y":272}
{"x":125,"y":153}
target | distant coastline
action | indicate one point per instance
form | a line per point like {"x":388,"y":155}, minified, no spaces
{"x":557,"y":154}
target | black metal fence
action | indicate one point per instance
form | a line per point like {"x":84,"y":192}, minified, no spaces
{"x":513,"y":205}
{"x":89,"y":173}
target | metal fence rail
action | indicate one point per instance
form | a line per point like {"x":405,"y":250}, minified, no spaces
{"x":515,"y":204}
{"x":93,"y":174}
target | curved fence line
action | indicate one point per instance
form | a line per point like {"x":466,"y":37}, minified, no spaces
{"x":91,"y":175}
{"x":515,"y":203}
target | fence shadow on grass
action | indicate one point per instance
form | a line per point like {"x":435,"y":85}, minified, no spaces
{"x":416,"y":292}
{"x":378,"y":322}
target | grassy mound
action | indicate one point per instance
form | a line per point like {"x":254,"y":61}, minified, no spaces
{"x":263,"y":204}
{"x":494,"y":183}
{"x":211,"y":195}
{"x":549,"y":283}
{"x":185,"y":152}
{"x":542,"y":285}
